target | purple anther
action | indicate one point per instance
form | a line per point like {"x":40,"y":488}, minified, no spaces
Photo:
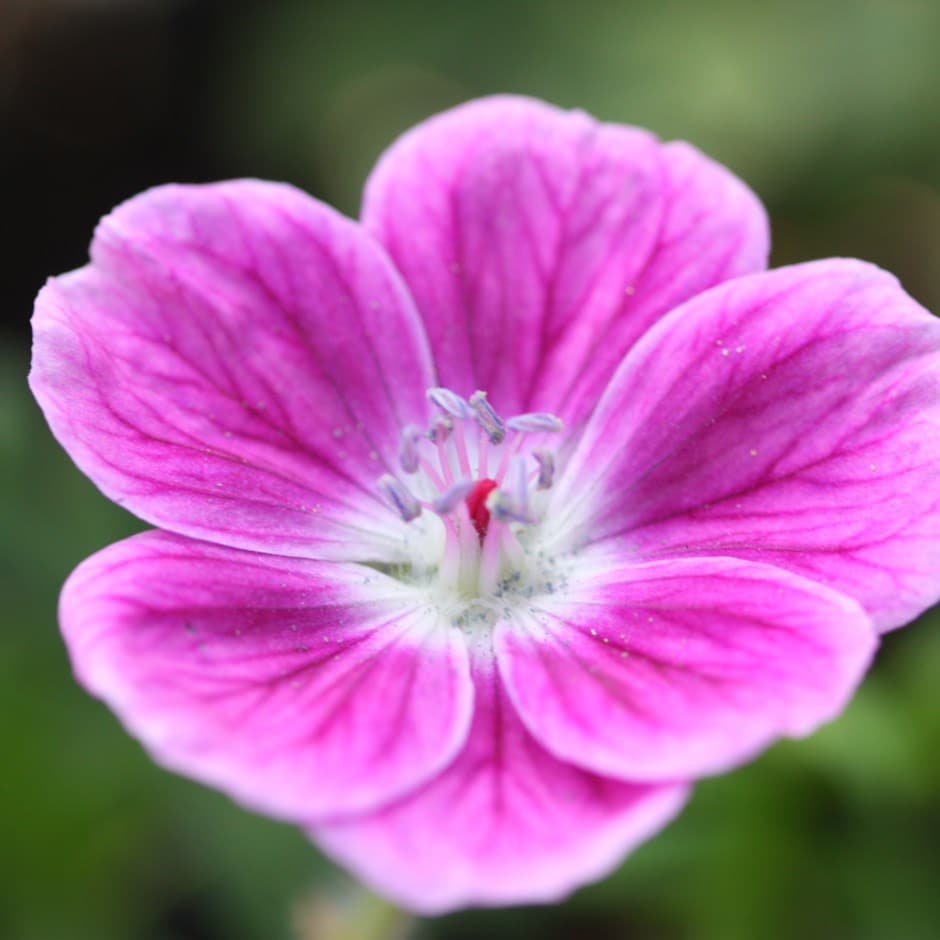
{"x":440,"y":429}
{"x":399,"y":497}
{"x":535,"y":422}
{"x":546,"y":461}
{"x":411,"y":436}
{"x":491,"y":422}
{"x":511,"y":502}
{"x":452,"y":497}
{"x":504,"y":508}
{"x":449,"y":402}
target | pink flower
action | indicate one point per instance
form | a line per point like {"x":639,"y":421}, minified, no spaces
{"x":478,"y":644}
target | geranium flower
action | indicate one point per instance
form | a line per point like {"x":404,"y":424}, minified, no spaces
{"x":488,"y":523}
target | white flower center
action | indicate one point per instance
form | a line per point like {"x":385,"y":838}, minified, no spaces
{"x":474,"y":489}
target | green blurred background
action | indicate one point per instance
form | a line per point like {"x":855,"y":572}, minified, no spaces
{"x":828,"y":109}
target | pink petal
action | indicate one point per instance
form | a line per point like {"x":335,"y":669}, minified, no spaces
{"x":681,"y":668}
{"x":791,"y":418}
{"x":540,"y":244}
{"x":236,"y":364}
{"x":506,"y":823}
{"x":297,"y":687}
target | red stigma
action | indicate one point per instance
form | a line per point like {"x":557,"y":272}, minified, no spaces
{"x":476,"y":506}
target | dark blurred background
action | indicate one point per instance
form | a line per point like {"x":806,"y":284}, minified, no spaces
{"x":828,"y":109}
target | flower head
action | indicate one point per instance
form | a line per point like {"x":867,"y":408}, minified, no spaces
{"x":487,"y":524}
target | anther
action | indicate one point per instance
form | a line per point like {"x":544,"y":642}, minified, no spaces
{"x":449,"y":402}
{"x":511,"y":504}
{"x":488,"y":419}
{"x":504,"y":508}
{"x":546,"y":461}
{"x":452,"y":496}
{"x":408,"y":448}
{"x":399,"y":497}
{"x":534,"y":422}
{"x":440,"y":429}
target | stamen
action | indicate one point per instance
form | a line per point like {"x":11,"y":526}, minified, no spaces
{"x":546,"y":461}
{"x":440,"y":429}
{"x":463,"y":456}
{"x":511,"y":504}
{"x":536,"y":421}
{"x":468,"y":454}
{"x":449,"y":402}
{"x":518,"y":480}
{"x":452,"y":496}
{"x":504,"y":508}
{"x":408,"y":455}
{"x":399,"y":497}
{"x":489,"y":420}
{"x":483,"y":454}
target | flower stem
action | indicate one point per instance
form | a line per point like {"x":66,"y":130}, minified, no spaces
{"x":352,"y":913}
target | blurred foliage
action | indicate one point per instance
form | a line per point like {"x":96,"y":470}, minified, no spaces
{"x":827,"y":109}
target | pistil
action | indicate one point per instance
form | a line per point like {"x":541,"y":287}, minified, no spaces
{"x":476,"y":506}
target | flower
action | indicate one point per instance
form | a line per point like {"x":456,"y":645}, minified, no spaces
{"x":488,"y":524}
